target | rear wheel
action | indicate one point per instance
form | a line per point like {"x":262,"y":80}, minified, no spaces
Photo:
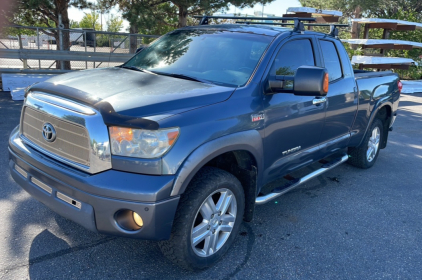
{"x":207,"y":220}
{"x":366,"y":154}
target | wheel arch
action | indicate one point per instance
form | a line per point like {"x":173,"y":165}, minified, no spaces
{"x":240,"y":153}
{"x":382,"y":108}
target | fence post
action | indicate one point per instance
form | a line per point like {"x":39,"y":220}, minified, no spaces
{"x":95,"y":44}
{"x":60,"y":27}
{"x":38,"y":43}
{"x":25,"y":62}
{"x":86,"y":62}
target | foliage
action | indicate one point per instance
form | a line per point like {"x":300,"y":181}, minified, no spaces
{"x":408,"y":10}
{"x":369,"y":8}
{"x":90,"y":21}
{"x":44,"y":12}
{"x":102,"y":40}
{"x":74,"y":24}
{"x":114,"y":24}
{"x":19,"y":19}
{"x":351,"y":52}
{"x":164,"y":15}
{"x":414,"y":36}
{"x":161,"y":20}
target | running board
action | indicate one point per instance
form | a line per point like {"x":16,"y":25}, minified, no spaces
{"x":296,"y":182}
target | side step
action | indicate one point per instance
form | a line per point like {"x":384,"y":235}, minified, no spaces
{"x":296,"y":182}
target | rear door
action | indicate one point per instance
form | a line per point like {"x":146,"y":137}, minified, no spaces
{"x":342,"y":97}
{"x":293,"y":123}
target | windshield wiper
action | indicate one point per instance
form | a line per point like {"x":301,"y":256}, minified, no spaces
{"x":136,"y":69}
{"x":183,"y":76}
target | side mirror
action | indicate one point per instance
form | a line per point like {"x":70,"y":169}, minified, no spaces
{"x":311,"y":81}
{"x":277,"y":84}
{"x":139,"y":49}
{"x":308,"y":81}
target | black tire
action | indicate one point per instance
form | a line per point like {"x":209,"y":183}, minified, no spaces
{"x":358,"y":156}
{"x":179,"y":248}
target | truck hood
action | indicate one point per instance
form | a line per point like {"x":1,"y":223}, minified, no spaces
{"x":133,"y":94}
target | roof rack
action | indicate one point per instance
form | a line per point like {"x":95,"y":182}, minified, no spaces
{"x":333,"y":26}
{"x":298,"y":24}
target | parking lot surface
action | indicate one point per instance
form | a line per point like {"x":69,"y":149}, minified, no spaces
{"x":346,"y":224}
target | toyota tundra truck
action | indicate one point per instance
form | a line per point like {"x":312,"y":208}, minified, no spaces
{"x":182,"y":142}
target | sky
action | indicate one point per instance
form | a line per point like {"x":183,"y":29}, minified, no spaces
{"x":277,"y":7}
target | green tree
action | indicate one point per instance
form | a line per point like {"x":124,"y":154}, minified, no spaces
{"x":74,"y":24}
{"x":114,"y":24}
{"x":369,"y":8}
{"x":91,"y":21}
{"x":164,"y":15}
{"x":46,"y":12}
{"x":408,"y":10}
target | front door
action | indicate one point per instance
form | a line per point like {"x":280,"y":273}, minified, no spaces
{"x":342,"y":98}
{"x":293,"y":124}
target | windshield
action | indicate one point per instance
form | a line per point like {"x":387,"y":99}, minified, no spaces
{"x":220,"y":57}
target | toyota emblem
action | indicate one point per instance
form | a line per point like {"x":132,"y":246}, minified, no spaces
{"x":48,"y":132}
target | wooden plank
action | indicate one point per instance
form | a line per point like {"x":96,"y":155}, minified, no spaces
{"x":406,"y":27}
{"x":384,"y":25}
{"x":385,"y":66}
{"x":306,"y":15}
{"x":403,"y":47}
{"x":327,"y":19}
{"x":379,"y":46}
{"x":388,"y":47}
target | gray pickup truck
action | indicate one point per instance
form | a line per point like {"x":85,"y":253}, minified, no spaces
{"x":180,"y":143}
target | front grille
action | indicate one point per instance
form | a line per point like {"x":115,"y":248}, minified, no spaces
{"x":72,"y":140}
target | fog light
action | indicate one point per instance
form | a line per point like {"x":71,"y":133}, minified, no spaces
{"x":128,"y":220}
{"x":138,"y":219}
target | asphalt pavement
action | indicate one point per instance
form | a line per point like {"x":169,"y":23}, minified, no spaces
{"x":346,"y":224}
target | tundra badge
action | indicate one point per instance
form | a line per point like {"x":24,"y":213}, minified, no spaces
{"x":257,"y":117}
{"x":292,"y":150}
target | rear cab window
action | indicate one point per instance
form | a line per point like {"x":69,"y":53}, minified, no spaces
{"x":331,"y":60}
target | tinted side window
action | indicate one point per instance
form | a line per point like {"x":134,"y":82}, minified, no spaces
{"x":332,"y":62}
{"x":291,"y":56}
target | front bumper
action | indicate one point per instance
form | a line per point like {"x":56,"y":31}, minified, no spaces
{"x":93,"y":200}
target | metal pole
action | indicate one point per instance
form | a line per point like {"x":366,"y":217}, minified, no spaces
{"x":38,"y":42}
{"x":61,"y":40}
{"x":86,"y":62}
{"x":25,"y":61}
{"x":95,"y":44}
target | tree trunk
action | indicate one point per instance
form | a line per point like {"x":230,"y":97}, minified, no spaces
{"x":183,"y":14}
{"x":133,"y":44}
{"x":62,"y":6}
{"x":355,"y":26}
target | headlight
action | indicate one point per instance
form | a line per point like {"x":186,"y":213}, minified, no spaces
{"x":141,"y":143}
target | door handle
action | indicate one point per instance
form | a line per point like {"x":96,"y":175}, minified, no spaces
{"x":317,"y":101}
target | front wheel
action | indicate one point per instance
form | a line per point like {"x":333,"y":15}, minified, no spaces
{"x":207,"y":220}
{"x":366,"y":154}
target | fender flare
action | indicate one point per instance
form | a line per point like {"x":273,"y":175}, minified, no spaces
{"x":249,"y":140}
{"x":381,"y":103}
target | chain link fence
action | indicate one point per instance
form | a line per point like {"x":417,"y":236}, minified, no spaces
{"x":71,"y":40}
